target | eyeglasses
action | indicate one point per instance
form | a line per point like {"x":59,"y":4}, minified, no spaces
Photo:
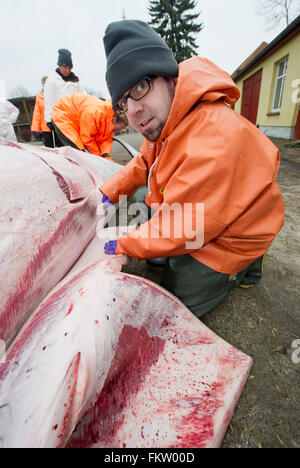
{"x":136,"y":93}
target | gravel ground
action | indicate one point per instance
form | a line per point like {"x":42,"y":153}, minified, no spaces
{"x":263,"y":322}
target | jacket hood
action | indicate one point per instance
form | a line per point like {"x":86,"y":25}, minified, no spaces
{"x":71,"y":77}
{"x":200,"y":80}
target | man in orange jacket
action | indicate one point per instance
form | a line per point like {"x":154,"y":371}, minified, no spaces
{"x":211,"y":174}
{"x":38,"y":124}
{"x":86,"y":122}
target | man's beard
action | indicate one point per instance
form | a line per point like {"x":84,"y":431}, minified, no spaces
{"x":153,"y":135}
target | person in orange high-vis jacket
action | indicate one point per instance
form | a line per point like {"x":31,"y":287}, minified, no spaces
{"x":87,"y":123}
{"x":210,"y":173}
{"x":38,"y":124}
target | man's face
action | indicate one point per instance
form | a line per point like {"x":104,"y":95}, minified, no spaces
{"x":65,"y":71}
{"x":118,"y":125}
{"x":149,"y":115}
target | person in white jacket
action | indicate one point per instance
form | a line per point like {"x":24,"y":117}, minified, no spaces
{"x":60,"y":83}
{"x":8,"y":116}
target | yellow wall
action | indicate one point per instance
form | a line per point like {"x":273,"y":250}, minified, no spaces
{"x":289,"y":109}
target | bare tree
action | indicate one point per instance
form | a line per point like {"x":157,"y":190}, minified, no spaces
{"x":19,"y":91}
{"x":91,"y":91}
{"x":278,"y":11}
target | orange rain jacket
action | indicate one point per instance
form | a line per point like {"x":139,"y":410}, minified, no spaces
{"x":86,"y":121}
{"x":207,"y":153}
{"x":38,"y":123}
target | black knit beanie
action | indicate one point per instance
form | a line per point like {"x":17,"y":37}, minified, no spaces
{"x":65,"y":58}
{"x":134,"y":50}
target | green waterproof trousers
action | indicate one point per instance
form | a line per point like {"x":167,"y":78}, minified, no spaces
{"x":199,"y":287}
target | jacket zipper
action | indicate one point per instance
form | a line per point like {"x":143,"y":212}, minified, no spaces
{"x":150,"y":172}
{"x":149,"y":176}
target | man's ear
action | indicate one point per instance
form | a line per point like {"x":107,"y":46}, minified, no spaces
{"x":173,"y":80}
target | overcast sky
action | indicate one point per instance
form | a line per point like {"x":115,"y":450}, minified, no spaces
{"x":32,"y":31}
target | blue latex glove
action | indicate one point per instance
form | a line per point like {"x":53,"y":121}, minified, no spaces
{"x":106,"y":200}
{"x":110,"y":247}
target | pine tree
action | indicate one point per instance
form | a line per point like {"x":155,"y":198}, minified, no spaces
{"x":170,"y":19}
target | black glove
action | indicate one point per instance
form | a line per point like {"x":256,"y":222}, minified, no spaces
{"x":50,"y":125}
{"x":105,"y":155}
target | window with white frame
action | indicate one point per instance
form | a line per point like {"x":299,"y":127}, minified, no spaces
{"x":279,"y":84}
